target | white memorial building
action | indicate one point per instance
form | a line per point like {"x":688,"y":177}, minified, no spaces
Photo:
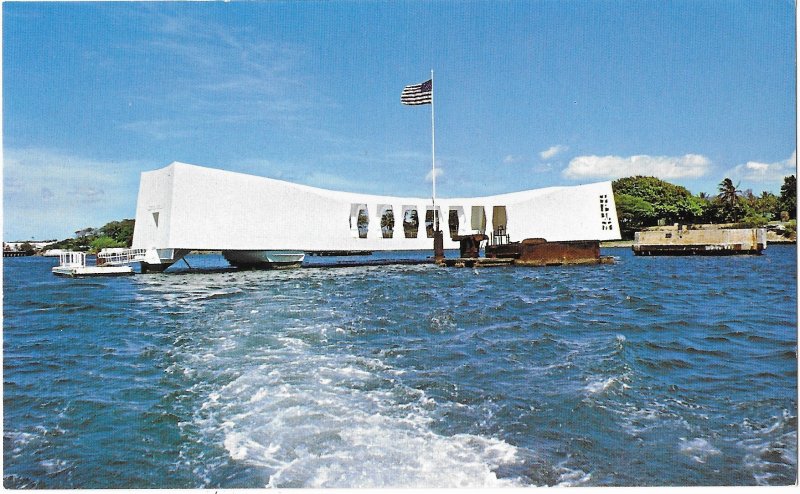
{"x":257,"y":220}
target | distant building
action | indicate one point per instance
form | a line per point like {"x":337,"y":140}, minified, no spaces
{"x":85,"y":232}
{"x":35,"y":244}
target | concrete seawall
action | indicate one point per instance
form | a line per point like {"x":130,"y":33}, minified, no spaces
{"x":681,"y":241}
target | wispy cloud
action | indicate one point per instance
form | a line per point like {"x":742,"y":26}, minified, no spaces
{"x":394,"y":172}
{"x":543,"y":167}
{"x":50,"y":193}
{"x":158,"y":129}
{"x":439,"y":173}
{"x":389,"y":159}
{"x":511,"y":159}
{"x":223,"y":74}
{"x":665,"y":167}
{"x":553,"y":151}
{"x":754,"y":171}
{"x":333,"y":182}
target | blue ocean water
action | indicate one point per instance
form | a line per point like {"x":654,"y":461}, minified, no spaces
{"x":650,"y":371}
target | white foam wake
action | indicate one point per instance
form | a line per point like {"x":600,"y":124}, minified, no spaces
{"x":699,"y":449}
{"x":314,"y":420}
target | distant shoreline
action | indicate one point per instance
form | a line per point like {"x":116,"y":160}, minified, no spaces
{"x":627,"y":244}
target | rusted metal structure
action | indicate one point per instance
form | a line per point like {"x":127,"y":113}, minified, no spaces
{"x":438,"y":247}
{"x":470,"y":245}
{"x":540,"y":252}
{"x":482,"y":262}
{"x":529,"y":252}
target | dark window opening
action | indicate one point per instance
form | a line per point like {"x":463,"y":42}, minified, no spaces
{"x":387,"y":223}
{"x":362,"y":223}
{"x":452,"y":221}
{"x":411,"y":223}
{"x":429,"y":222}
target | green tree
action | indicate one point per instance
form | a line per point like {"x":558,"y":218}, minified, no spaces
{"x":633,"y":213}
{"x":728,"y":193}
{"x":753,"y":208}
{"x":362,"y":223}
{"x":104,"y":242}
{"x":788,"y":199}
{"x":728,"y":198}
{"x":112,"y":234}
{"x":791,"y":229}
{"x":753,"y":220}
{"x":387,"y":223}
{"x":411,"y":223}
{"x":670,"y":202}
{"x":121,"y":231}
{"x":767,"y":205}
{"x":690,"y":209}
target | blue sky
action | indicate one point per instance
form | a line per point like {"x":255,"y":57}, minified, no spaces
{"x":528,"y":94}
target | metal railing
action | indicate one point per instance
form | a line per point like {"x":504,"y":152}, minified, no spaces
{"x":120,"y":258}
{"x":71,"y":259}
{"x":500,"y":237}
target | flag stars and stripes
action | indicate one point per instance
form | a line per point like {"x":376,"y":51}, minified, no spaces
{"x":418,"y":94}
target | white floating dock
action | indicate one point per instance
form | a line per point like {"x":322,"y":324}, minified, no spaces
{"x":93,"y":271}
{"x":73,"y":264}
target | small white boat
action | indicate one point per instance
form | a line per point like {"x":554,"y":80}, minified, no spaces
{"x":74,"y":264}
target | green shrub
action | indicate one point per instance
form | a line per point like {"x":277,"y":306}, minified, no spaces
{"x":791,"y":228}
{"x":105,"y":242}
{"x":753,"y":220}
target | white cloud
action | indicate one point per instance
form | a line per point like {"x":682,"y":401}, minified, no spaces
{"x":552,"y":151}
{"x":755,"y":171}
{"x":51,"y":194}
{"x":665,"y":167}
{"x":511,"y":159}
{"x":429,"y":176}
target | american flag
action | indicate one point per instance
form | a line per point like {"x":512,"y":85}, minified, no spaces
{"x":418,"y":94}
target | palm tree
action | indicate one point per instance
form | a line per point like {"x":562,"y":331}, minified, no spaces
{"x":728,"y":192}
{"x":387,"y":223}
{"x":729,"y":195}
{"x":788,"y":198}
{"x":411,"y":223}
{"x":362,"y":223}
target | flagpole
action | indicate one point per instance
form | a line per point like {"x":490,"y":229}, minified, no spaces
{"x":433,"y":161}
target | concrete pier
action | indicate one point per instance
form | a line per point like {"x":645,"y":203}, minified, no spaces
{"x":681,"y":241}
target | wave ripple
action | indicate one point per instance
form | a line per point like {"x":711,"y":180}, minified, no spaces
{"x":651,"y":371}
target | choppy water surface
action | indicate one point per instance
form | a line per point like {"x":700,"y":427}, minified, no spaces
{"x":652,"y":371}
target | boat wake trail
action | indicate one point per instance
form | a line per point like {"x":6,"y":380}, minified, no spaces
{"x":299,"y":419}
